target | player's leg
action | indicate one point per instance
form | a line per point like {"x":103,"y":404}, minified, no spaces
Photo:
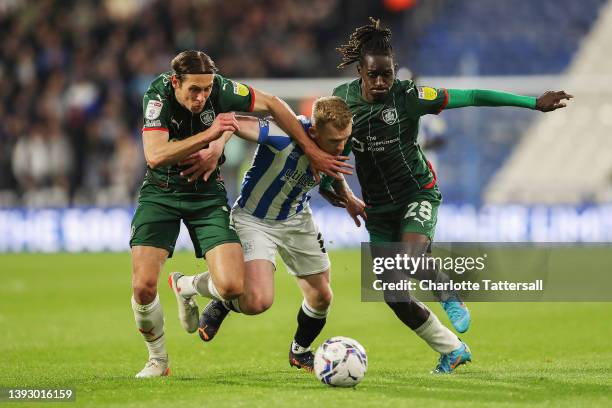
{"x":155,"y":228}
{"x":418,"y":317}
{"x":214,"y":239}
{"x":259,"y":251}
{"x":302,"y":248}
{"x":311,"y":317}
{"x":384,"y":228}
{"x":410,"y":311}
{"x":417,"y":231}
{"x":221,"y":283}
{"x":226,"y":269}
{"x":258,"y":293}
{"x":147,"y":263}
{"x":257,"y":297}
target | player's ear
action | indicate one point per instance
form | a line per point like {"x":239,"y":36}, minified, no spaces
{"x":175,"y":81}
{"x":312,"y":131}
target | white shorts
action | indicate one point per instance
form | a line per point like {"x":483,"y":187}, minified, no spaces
{"x":297,"y":240}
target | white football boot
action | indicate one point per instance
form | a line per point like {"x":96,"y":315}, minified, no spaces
{"x":187,"y":307}
{"x":155,"y":367}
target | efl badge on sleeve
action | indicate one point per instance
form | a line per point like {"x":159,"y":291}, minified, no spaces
{"x":240,"y":89}
{"x":427,"y":93}
{"x":153,"y":110}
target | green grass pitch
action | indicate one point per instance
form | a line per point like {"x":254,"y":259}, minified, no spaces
{"x":66,"y":321}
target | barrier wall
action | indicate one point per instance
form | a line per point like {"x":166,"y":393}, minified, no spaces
{"x":108,"y":229}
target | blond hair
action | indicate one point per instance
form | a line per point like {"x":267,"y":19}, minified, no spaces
{"x":331,"y":109}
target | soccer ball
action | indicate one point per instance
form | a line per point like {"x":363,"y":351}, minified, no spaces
{"x":340,"y":362}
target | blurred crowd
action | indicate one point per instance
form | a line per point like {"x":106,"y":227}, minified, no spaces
{"x":73,"y":75}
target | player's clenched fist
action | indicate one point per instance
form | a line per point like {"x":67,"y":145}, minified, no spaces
{"x":551,"y":100}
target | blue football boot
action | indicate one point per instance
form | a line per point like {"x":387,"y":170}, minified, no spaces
{"x":448,"y":362}
{"x":458,"y":313}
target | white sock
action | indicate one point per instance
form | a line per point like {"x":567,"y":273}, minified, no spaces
{"x":204,"y":286}
{"x":312,"y":312}
{"x":297,"y":349}
{"x":186,"y":285}
{"x":439,"y":338}
{"x":150,"y":322}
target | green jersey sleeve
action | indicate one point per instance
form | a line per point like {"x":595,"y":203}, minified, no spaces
{"x":424,"y":100}
{"x":234,"y":96}
{"x":460,"y":98}
{"x":156,"y":112}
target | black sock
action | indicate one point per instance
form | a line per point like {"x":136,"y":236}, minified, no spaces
{"x":411,"y":313}
{"x":409,"y":310}
{"x":308,"y":327}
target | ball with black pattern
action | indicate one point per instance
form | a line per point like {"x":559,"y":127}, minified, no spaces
{"x":340,"y":362}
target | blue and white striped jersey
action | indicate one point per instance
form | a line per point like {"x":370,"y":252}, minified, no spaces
{"x":277,"y":184}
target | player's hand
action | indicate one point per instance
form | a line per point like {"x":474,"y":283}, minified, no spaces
{"x":224,"y":122}
{"x":331,"y":165}
{"x":331,"y":197}
{"x":203,"y":162}
{"x":551,"y":100}
{"x":356,"y":208}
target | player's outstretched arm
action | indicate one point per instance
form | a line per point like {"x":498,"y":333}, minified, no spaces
{"x":250,"y":128}
{"x":159,"y":151}
{"x":284,"y":117}
{"x":547,"y":102}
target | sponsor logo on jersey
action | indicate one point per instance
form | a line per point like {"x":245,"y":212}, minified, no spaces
{"x":427,"y":93}
{"x":152,"y":123}
{"x":176,"y":123}
{"x":389,"y":115}
{"x":297,"y":178}
{"x":153,"y":109}
{"x":358,"y":145}
{"x":207,"y":117}
{"x":240,"y":89}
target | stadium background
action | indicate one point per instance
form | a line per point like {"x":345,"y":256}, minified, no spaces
{"x":73,"y":74}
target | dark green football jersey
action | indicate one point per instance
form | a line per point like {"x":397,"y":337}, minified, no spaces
{"x":390,"y":164}
{"x":161,"y":111}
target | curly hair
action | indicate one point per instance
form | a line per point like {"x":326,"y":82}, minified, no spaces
{"x":369,"y":39}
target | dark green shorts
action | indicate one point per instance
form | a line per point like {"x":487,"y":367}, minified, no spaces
{"x":157,"y":220}
{"x":420,"y":215}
